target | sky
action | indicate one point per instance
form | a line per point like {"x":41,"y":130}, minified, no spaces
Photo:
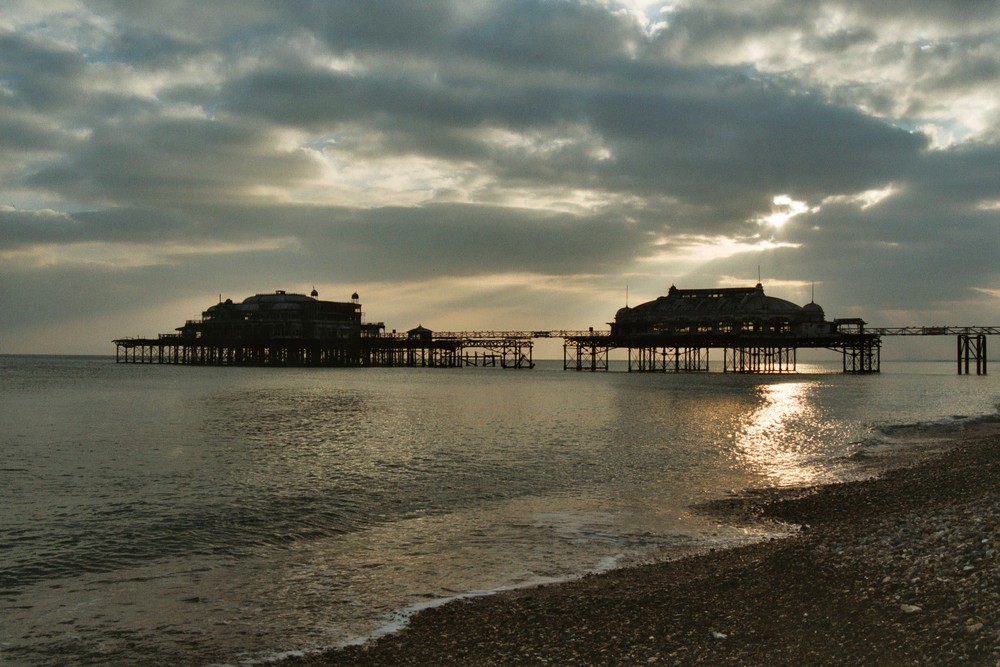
{"x":501,"y":164}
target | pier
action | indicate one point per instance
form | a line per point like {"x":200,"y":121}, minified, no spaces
{"x":419,"y":348}
{"x":971,"y":342}
{"x":756,"y":333}
{"x":691,"y":353}
{"x":675,"y":333}
{"x":859,"y":347}
{"x":582,"y":351}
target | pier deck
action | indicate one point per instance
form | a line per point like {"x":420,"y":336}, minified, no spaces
{"x":860,"y":349}
{"x":511,"y":349}
{"x":690,"y":353}
{"x":582,"y":350}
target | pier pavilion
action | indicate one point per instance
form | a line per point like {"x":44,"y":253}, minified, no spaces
{"x":285,"y":329}
{"x":757,"y":333}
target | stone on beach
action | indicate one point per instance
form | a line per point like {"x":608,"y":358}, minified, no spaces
{"x":897,"y":570}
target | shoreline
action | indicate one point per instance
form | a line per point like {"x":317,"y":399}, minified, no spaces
{"x":898,"y":569}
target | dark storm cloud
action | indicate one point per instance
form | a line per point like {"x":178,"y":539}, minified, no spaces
{"x":323,"y":99}
{"x":23,"y":132}
{"x":22,"y":229}
{"x":683,"y":133}
{"x":467,"y":240}
{"x":377,"y":244}
{"x":930,"y":244}
{"x":37,"y":75}
{"x":521,"y":33}
{"x":963,"y":176}
{"x":750,"y":138}
{"x":176,"y":162}
{"x":183,"y":144}
{"x":395,"y":243}
{"x":149,"y":48}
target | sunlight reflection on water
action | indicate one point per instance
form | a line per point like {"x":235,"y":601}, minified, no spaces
{"x":232,"y":513}
{"x":774,"y":439}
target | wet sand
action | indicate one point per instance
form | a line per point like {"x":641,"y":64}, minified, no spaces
{"x":898,"y":570}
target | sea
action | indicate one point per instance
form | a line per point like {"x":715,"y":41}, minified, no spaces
{"x":189,"y":515}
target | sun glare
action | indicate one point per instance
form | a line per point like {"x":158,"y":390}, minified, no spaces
{"x":864,"y":200}
{"x":697,"y":251}
{"x":783,"y":209}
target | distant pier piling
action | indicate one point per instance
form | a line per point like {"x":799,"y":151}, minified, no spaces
{"x":971,"y":342}
{"x":971,"y":349}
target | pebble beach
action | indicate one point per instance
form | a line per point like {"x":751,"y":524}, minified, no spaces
{"x":900,"y":569}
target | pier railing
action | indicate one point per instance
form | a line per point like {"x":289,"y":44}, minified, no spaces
{"x":935,"y":331}
{"x":486,"y":335}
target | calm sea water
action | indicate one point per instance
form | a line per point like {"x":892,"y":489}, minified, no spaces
{"x":187,"y":515}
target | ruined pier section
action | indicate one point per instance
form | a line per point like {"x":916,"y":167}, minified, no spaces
{"x":283,"y":329}
{"x":675,"y":333}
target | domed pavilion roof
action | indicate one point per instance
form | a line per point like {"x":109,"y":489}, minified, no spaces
{"x":715,"y":305}
{"x":279,"y":296}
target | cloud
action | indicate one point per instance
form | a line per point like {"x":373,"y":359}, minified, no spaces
{"x":515,"y":152}
{"x":925,"y":61}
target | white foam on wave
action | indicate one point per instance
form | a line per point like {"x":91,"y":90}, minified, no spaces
{"x":398,"y":620}
{"x":401,"y":618}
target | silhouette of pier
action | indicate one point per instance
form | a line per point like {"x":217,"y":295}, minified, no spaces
{"x":860,"y":352}
{"x":741,"y":353}
{"x":583,"y":350}
{"x":971,"y":342}
{"x":756,"y":333}
{"x":444,"y":350}
{"x":674,"y":333}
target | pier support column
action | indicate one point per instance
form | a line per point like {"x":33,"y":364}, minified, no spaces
{"x":971,"y":347}
{"x":585,"y":355}
{"x":668,"y":359}
{"x":863,"y":356}
{"x":759,"y":359}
